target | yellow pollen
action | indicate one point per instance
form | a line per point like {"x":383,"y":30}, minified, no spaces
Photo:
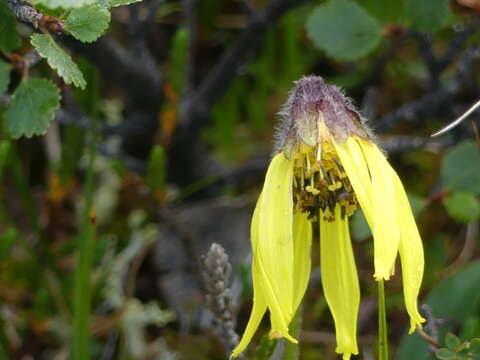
{"x":313,"y":193}
{"x":312,"y":190}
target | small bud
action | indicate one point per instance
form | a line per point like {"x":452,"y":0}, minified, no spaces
{"x":51,"y":23}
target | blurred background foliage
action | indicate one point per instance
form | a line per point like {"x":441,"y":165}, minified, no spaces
{"x":129,"y":151}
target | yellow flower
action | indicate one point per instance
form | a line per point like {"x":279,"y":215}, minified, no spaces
{"x":325,"y":165}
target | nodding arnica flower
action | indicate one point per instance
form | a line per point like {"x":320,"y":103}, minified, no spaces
{"x":325,"y":165}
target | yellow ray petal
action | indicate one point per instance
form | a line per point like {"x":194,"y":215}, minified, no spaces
{"x":411,"y":255}
{"x":386,"y":232}
{"x":273,"y":251}
{"x":340,"y":281}
{"x":259,"y":309}
{"x":353,"y":162}
{"x":259,"y":303}
{"x":302,"y":238}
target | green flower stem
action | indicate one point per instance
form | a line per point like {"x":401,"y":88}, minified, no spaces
{"x":84,"y":254}
{"x":382,"y":323}
{"x":291,"y":350}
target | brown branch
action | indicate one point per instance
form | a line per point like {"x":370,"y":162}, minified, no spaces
{"x":428,"y":338}
{"x":467,"y":250}
{"x":138,"y":75}
{"x":195,"y":109}
{"x":190,"y":23}
{"x":427,"y":105}
{"x":28,"y":14}
{"x":25,"y":12}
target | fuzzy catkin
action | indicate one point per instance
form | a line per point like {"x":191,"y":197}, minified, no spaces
{"x":216,"y":272}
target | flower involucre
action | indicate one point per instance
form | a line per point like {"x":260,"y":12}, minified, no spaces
{"x":325,"y":166}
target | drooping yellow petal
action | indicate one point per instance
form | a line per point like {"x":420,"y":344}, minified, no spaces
{"x":355,"y":166}
{"x":411,"y":255}
{"x":340,"y":281}
{"x":386,"y":232}
{"x":372,"y":179}
{"x":302,"y":242}
{"x":259,"y":303}
{"x":273,"y":252}
{"x":258,"y":310}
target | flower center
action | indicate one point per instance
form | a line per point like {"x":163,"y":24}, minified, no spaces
{"x":320,"y":182}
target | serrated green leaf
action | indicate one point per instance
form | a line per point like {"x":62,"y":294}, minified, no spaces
{"x":65,"y":4}
{"x":58,"y":59}
{"x":87,"y":23}
{"x":343,"y":29}
{"x":459,"y":171}
{"x":445,"y":354}
{"x":9,"y":38}
{"x":32,"y":108}
{"x":114,"y":3}
{"x":427,"y":15}
{"x":4,"y":76}
{"x":474,"y":346}
{"x":452,"y":341}
{"x":462,"y":206}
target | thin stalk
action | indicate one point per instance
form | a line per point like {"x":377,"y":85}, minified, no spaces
{"x":84,"y":254}
{"x":291,"y":350}
{"x":382,"y":323}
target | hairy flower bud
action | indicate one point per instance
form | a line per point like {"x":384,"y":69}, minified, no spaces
{"x":311,"y":103}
